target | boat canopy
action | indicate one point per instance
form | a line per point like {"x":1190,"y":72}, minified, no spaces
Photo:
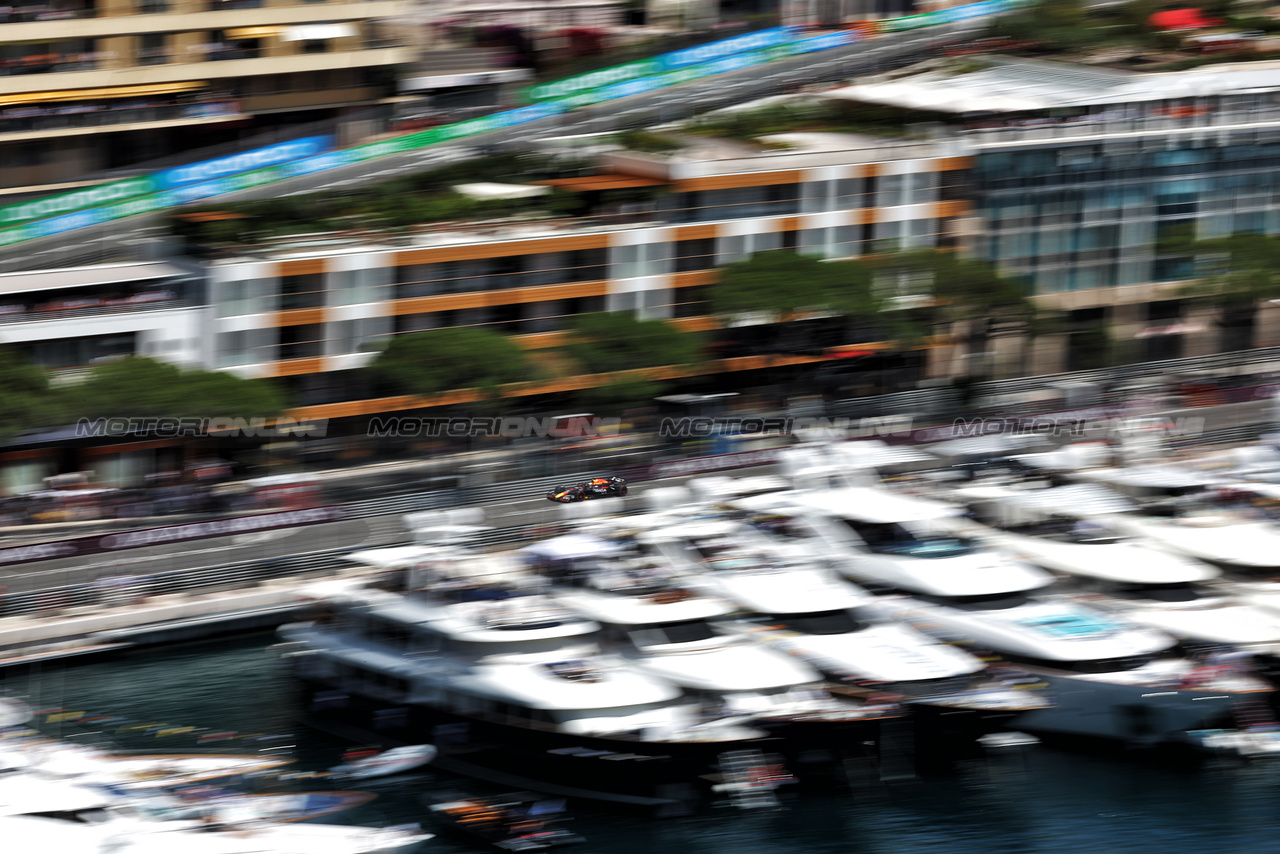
{"x":879,"y":506}
{"x":1081,"y":455}
{"x":390,"y":558}
{"x":994,"y":445}
{"x":1080,"y":499}
{"x":695,"y":528}
{"x":570,"y":547}
{"x":1153,"y":477}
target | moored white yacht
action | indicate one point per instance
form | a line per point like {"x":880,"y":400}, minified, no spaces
{"x":89,"y":819}
{"x":1110,"y":678}
{"x":1119,"y":572}
{"x":893,"y":541}
{"x":47,"y":758}
{"x":1184,"y":511}
{"x":510,"y":688}
{"x":666,"y":626}
{"x":805,"y":609}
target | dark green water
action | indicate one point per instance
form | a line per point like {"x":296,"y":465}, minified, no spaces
{"x":1038,"y":800}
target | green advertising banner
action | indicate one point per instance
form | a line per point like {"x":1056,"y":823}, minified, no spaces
{"x":90,"y":197}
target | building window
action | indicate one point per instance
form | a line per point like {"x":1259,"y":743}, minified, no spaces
{"x":921,"y":234}
{"x":247,"y":296}
{"x":849,"y":193}
{"x":690,"y":302}
{"x":891,"y":192}
{"x":655,"y":304}
{"x":644,"y":259}
{"x":234,"y":349}
{"x":153,"y":49}
{"x":356,"y":287}
{"x":697,"y":254}
{"x":922,"y":188}
{"x":737,"y":202}
{"x":306,"y":291}
{"x":302,"y":342}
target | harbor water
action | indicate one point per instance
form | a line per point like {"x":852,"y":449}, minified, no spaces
{"x":235,"y":695}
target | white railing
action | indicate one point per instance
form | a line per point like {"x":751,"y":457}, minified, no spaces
{"x":1113,"y":128}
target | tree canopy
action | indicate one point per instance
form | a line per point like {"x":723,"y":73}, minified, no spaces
{"x":785,"y":283}
{"x":427,"y":363}
{"x":26,"y":400}
{"x":135,"y":387}
{"x":1057,"y":25}
{"x":141,"y":387}
{"x":609,"y":341}
{"x":962,"y":289}
{"x":1242,"y":269}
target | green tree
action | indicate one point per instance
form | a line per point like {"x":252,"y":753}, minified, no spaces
{"x":142,"y":387}
{"x":1236,"y":274}
{"x":26,"y":400}
{"x":969,"y":296}
{"x":784,"y":284}
{"x":427,"y":363}
{"x":610,"y":341}
{"x":1057,"y":25}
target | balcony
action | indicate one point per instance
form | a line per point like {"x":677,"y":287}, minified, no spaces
{"x":231,"y":64}
{"x":1118,"y":127}
{"x":85,"y":116}
{"x":29,"y":14}
{"x":76,"y":308}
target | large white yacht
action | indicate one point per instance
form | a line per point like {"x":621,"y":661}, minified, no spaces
{"x":1060,"y":529}
{"x":887,"y":540}
{"x":669,"y":627}
{"x":1185,"y":511}
{"x":510,"y":687}
{"x":804,"y":608}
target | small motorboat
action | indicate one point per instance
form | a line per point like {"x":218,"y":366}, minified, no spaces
{"x":515,"y":822}
{"x":231,"y":807}
{"x":394,"y":761}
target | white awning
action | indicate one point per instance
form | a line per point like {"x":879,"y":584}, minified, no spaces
{"x":486,"y":191}
{"x":318,"y":32}
{"x":1153,"y":476}
{"x":79,"y":277}
{"x":1082,"y":499}
{"x":570,"y":547}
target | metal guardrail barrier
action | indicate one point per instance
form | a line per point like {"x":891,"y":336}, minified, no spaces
{"x":123,"y":590}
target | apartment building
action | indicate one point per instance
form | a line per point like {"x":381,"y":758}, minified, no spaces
{"x":68,"y":320}
{"x":310,"y":315}
{"x":1086,"y":183}
{"x":93,"y":85}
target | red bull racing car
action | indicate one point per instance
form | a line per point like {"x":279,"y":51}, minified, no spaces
{"x":597,"y":487}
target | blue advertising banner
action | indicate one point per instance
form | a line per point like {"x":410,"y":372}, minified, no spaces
{"x":245,"y":161}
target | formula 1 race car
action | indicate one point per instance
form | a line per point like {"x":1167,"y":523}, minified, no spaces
{"x":597,"y":487}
